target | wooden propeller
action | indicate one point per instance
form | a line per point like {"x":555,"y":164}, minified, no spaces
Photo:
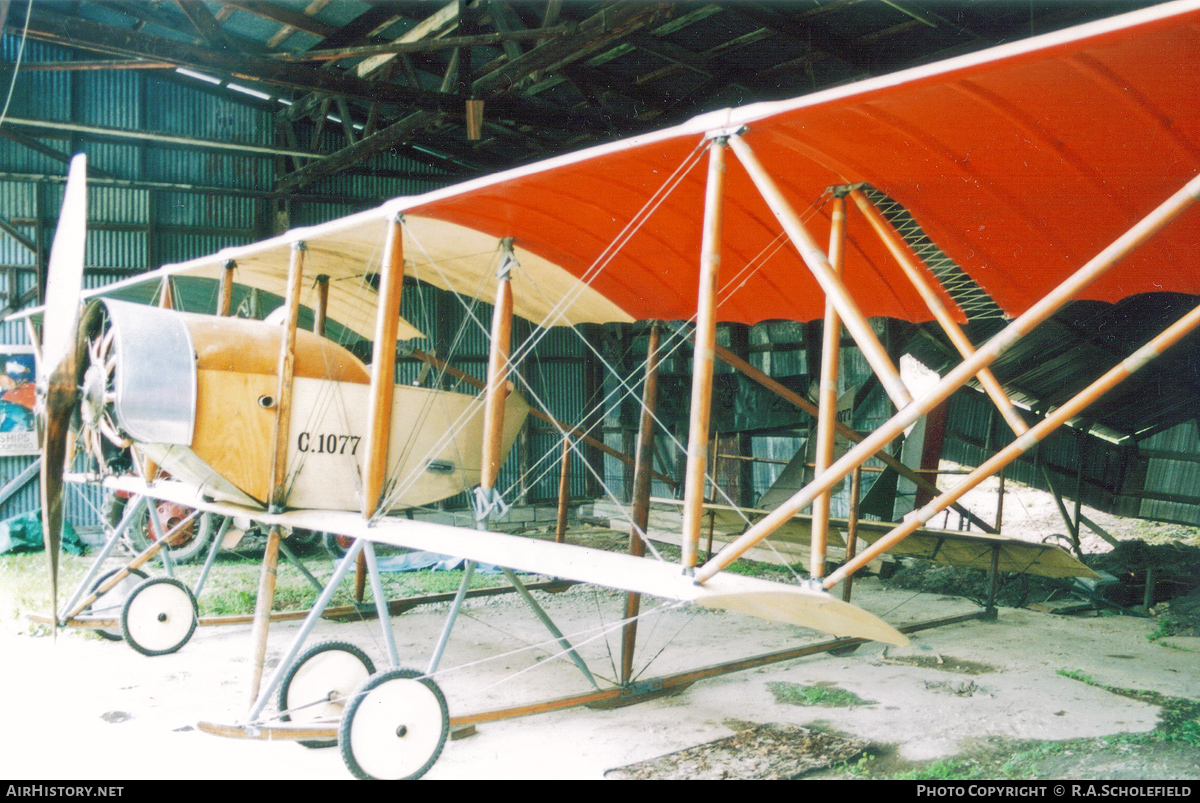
{"x":58,"y":372}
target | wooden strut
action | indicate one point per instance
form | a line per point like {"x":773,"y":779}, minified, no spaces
{"x":830,"y":353}
{"x":887,"y":235}
{"x":497,"y":388}
{"x":139,"y":560}
{"x":957,"y":377}
{"x":818,"y":263}
{"x":793,"y":398}
{"x":702,"y":359}
{"x":225,"y":292}
{"x":287,"y":370}
{"x":578,"y":432}
{"x":383,"y":369}
{"x":321,"y":313}
{"x":852,"y":529}
{"x":262,"y":609}
{"x":1035,"y":435}
{"x":640,"y":512}
{"x":283,"y":413}
{"x":564,"y":492}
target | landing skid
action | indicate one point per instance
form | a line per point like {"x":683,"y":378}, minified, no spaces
{"x":602,"y":699}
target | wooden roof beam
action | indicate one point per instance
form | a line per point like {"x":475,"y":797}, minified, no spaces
{"x":302,"y":21}
{"x":382,"y":140}
{"x":507,"y":22}
{"x":671,"y":52}
{"x":423,"y":45}
{"x":440,"y":23}
{"x":45,"y":150}
{"x":206,"y":24}
{"x":76,"y":33}
{"x":147,"y":14}
{"x":593,"y":34}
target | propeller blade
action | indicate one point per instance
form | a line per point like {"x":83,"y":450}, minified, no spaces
{"x":65,"y":275}
{"x":58,"y":370}
{"x":56,"y":430}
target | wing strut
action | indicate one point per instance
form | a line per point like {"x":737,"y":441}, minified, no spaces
{"x":830,"y":352}
{"x":640,"y":514}
{"x":1037,"y":314}
{"x":283,"y":414}
{"x":702,"y":360}
{"x":1062,"y":415}
{"x":383,"y":369}
{"x":835,"y":291}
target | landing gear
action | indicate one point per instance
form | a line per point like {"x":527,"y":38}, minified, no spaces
{"x":159,"y":616}
{"x":395,"y":726}
{"x":111,"y":602}
{"x":336,"y":545}
{"x":185,"y":546}
{"x":319,"y":682}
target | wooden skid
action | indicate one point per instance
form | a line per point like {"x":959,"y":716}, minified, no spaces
{"x":655,"y":688}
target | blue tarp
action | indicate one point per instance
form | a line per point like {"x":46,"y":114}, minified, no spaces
{"x":416,"y":561}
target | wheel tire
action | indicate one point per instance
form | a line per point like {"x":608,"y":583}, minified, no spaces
{"x":159,"y":616}
{"x":329,"y":670}
{"x":305,"y":542}
{"x":395,"y":726}
{"x":201,"y":532}
{"x":336,"y":545}
{"x":112,"y":602}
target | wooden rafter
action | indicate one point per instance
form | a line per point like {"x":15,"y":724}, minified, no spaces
{"x":365,"y":148}
{"x":303,"y":21}
{"x":206,"y":24}
{"x":76,"y":33}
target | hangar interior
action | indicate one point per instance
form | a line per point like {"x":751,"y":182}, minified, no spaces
{"x":211,"y":125}
{"x":216,"y":124}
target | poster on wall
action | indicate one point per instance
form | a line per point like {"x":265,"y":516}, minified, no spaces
{"x":18,"y":430}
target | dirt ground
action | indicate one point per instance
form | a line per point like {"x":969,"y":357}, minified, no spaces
{"x":92,"y":709}
{"x":95,"y":709}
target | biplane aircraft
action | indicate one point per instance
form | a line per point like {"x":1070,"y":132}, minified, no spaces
{"x":1057,"y":168}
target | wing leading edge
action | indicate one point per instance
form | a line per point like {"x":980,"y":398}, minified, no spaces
{"x":777,"y":602}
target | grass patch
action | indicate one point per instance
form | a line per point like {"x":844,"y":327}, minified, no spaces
{"x":944,"y":770}
{"x":231,"y":587}
{"x":1178,"y":719}
{"x":824,"y":696}
{"x":1169,"y":748}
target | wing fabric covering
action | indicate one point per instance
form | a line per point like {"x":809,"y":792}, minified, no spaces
{"x":1021,"y":162}
{"x":795,"y":605}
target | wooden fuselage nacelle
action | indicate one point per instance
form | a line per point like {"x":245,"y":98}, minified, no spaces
{"x":216,"y":380}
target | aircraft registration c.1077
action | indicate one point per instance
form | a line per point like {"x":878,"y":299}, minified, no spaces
{"x":1057,"y":168}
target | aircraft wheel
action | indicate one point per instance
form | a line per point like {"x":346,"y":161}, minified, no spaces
{"x":395,"y":726}
{"x":336,"y":545}
{"x":189,"y":544}
{"x":111,"y":602}
{"x":319,"y":682}
{"x":159,"y":616}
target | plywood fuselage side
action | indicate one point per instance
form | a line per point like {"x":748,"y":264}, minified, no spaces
{"x":434,"y":444}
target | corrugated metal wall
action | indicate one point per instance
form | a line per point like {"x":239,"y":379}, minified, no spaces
{"x":131,"y":229}
{"x":1131,"y":479}
{"x":1176,"y":473}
